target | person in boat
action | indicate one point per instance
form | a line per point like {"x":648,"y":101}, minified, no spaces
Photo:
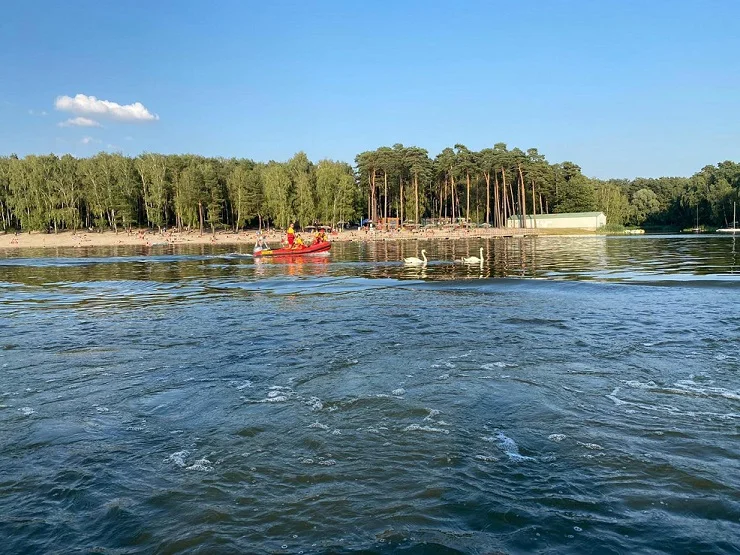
{"x":291,"y":236}
{"x":317,"y":237}
{"x":261,"y":244}
{"x":298,"y":243}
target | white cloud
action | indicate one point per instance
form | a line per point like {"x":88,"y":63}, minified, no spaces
{"x":79,"y":122}
{"x":36,"y":113}
{"x":89,"y":140}
{"x":91,"y":106}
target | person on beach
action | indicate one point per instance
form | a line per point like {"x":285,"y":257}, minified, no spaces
{"x":291,"y":236}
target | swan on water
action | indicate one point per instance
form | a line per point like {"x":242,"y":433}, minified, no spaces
{"x":413,"y":261}
{"x":473,"y":259}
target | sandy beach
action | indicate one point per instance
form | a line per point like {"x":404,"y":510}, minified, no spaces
{"x":144,"y":237}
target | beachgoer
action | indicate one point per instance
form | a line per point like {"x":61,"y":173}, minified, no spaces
{"x":291,"y":236}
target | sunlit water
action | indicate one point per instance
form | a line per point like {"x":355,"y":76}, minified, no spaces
{"x":569,"y":395}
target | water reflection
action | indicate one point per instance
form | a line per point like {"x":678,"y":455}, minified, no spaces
{"x":590,"y":258}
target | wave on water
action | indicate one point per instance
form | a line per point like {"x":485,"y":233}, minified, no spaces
{"x":508,"y":446}
{"x":685,"y":387}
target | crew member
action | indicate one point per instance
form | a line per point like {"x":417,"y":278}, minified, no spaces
{"x":291,"y":236}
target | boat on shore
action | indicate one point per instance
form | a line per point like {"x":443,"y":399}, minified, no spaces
{"x":315,"y":248}
{"x":734,"y":228}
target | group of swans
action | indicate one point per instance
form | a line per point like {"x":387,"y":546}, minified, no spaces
{"x":414,"y":261}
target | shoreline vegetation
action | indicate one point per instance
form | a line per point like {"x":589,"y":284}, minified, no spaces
{"x":391,"y":187}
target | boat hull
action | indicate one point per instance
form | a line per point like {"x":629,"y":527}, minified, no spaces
{"x":311,"y":249}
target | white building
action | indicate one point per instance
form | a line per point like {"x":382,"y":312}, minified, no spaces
{"x":574,"y":220}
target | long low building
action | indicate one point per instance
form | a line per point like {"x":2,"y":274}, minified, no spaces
{"x":574,"y":220}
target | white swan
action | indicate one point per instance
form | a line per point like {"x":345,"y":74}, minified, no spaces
{"x":473,"y":259}
{"x":413,"y":261}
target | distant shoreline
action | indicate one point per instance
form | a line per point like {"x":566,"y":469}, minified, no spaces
{"x":149,"y":238}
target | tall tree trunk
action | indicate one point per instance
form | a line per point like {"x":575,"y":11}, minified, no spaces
{"x":467,"y":198}
{"x":369,"y":198}
{"x":385,"y":200}
{"x":454,"y":200}
{"x":522,"y":196}
{"x":488,"y":197}
{"x":400,"y":208}
{"x":496,"y":201}
{"x":507,"y":211}
{"x":534,"y":208}
{"x":374,"y":214}
{"x":200,"y":214}
{"x":416,"y":195}
{"x":444,"y":199}
{"x":514,"y":207}
{"x":144,"y":194}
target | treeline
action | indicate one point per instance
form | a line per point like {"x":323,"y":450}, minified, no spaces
{"x":112,"y":191}
{"x":491,"y":185}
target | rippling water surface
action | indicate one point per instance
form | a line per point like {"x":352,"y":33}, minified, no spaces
{"x":568,"y":395}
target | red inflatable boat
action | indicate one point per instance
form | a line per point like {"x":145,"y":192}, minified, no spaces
{"x":311,"y":249}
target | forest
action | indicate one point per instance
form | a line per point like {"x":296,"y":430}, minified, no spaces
{"x":113,"y":191}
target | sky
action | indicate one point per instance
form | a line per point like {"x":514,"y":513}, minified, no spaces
{"x":623,"y":88}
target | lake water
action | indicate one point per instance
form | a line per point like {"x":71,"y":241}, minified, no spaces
{"x":569,"y":395}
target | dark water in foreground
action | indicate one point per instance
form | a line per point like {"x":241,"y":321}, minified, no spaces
{"x":193,"y":400}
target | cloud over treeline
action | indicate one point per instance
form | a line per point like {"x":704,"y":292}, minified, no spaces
{"x":84,"y":105}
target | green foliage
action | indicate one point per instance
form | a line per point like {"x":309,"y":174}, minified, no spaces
{"x":190,"y":190}
{"x":573,"y":191}
{"x":109,"y":191}
{"x":612,"y":228}
{"x":278,"y":194}
{"x":336,"y":191}
{"x":6,"y":216}
{"x":645,"y":203}
{"x":244,"y":188}
{"x":303,"y":185}
{"x":613,"y":202}
{"x":156,"y":187}
{"x":215,"y":195}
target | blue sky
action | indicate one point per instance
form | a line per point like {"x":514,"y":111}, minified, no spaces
{"x":622,"y":88}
